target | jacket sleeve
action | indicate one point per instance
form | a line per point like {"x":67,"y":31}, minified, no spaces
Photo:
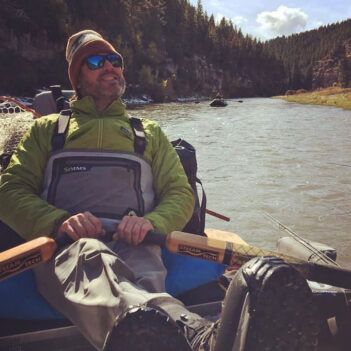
{"x":21,"y":207}
{"x":174,"y":196}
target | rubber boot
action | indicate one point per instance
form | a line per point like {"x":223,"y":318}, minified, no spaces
{"x":268,"y":306}
{"x":144,"y":328}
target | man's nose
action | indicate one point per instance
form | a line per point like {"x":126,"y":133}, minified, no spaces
{"x":108,"y":64}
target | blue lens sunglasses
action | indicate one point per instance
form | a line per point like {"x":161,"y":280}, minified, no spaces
{"x":98,"y":61}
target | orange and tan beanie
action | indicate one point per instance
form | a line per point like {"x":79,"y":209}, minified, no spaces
{"x":82,"y":45}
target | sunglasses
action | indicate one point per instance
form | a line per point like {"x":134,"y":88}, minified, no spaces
{"x":98,"y":61}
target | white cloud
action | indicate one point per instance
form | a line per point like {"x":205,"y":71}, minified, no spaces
{"x":284,"y":20}
{"x":239,"y":20}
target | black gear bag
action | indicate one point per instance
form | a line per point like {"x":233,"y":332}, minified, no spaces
{"x":187,"y":155}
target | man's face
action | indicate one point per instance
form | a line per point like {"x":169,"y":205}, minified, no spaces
{"x":104,"y":82}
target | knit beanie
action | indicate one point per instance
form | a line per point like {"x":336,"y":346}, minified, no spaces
{"x":82,"y":45}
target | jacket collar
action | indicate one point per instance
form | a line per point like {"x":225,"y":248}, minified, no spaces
{"x":87,"y":106}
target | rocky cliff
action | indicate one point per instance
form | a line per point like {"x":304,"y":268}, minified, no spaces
{"x":31,"y":61}
{"x":335,"y":69}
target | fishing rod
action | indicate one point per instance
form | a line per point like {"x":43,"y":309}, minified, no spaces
{"x":320,"y":254}
{"x":339,"y":164}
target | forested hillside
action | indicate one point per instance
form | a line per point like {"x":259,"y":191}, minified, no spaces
{"x":300,"y":53}
{"x":170,"y":47}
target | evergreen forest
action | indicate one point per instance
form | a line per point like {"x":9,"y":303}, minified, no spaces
{"x":170,"y":47}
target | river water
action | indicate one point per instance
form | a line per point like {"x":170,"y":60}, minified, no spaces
{"x":261,"y":156}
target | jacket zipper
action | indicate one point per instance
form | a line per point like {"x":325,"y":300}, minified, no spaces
{"x":100,"y":133}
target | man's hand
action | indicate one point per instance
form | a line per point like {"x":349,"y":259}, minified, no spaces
{"x":132,"y":229}
{"x":82,"y":225}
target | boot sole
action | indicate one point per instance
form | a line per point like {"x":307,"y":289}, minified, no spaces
{"x":146,"y":329}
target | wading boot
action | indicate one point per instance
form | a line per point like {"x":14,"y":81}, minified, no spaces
{"x":146,"y":329}
{"x":268,"y":306}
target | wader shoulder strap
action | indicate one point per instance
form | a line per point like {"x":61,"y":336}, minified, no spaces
{"x":139,"y":135}
{"x":59,"y":137}
{"x":58,"y":97}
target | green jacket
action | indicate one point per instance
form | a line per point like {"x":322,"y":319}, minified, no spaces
{"x":21,"y":184}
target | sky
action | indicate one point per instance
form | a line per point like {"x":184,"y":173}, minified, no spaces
{"x":267,"y":19}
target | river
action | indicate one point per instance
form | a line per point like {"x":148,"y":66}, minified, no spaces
{"x":263,"y":155}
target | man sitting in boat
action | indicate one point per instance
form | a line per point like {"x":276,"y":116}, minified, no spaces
{"x":218,"y":101}
{"x":96,"y":180}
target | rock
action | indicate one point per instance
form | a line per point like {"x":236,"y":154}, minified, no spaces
{"x":333,"y":70}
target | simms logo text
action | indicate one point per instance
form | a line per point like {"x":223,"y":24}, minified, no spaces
{"x":70,"y":169}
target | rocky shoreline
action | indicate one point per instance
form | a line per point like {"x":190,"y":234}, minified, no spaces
{"x":130,"y":102}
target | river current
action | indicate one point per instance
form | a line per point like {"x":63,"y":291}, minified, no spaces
{"x":262,"y":156}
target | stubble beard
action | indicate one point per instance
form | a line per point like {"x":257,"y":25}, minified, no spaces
{"x":100,"y":89}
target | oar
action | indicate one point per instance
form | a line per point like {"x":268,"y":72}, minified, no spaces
{"x":232,"y":254}
{"x":34,"y":252}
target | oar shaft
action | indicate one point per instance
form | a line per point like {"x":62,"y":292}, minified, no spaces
{"x":216,"y":250}
{"x":33,"y":253}
{"x":26,"y":256}
{"x":236,"y":254}
{"x":30,"y":254}
{"x":37,"y":251}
